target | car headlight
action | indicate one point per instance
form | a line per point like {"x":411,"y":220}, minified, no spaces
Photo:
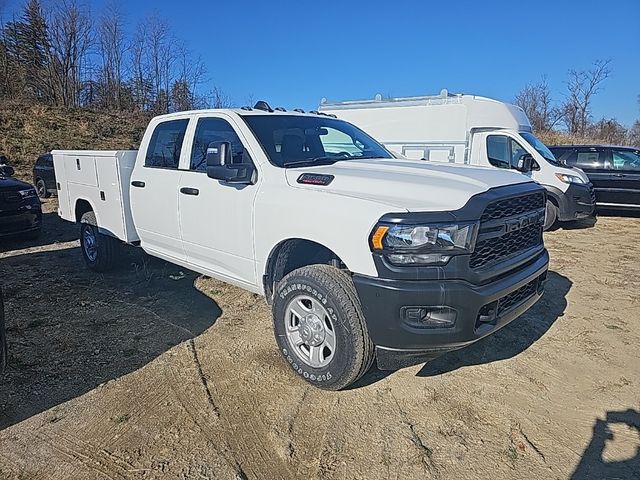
{"x":423,"y":244}
{"x":28,"y":193}
{"x":566,"y":178}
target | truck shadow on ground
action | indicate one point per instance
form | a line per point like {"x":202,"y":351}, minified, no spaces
{"x":593,"y":464}
{"x":70,"y":330}
{"x":581,"y":224}
{"x":54,"y":230}
{"x":512,"y":339}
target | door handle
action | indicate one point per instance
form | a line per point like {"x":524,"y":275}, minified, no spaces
{"x":138,"y":183}
{"x":189,"y":191}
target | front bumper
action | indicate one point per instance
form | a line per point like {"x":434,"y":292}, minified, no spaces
{"x":22,"y":220}
{"x":579,"y":202}
{"x":479,"y":311}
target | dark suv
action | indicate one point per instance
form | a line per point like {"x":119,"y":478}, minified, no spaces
{"x":614,"y":172}
{"x":20,"y":211}
{"x":44,"y":177}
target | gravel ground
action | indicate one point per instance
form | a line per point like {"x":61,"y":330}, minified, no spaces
{"x":155,"y":372}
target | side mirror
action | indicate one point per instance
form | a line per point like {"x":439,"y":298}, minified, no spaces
{"x":525,"y":163}
{"x":220,"y":166}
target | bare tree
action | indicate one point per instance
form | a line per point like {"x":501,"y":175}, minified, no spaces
{"x":535,"y":100}
{"x":112,"y":47}
{"x":71,"y":36}
{"x":582,"y":86}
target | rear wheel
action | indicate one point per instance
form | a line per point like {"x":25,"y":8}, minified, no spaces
{"x":320,"y":328}
{"x":41,"y":188}
{"x":550,"y":215}
{"x":100,"y":251}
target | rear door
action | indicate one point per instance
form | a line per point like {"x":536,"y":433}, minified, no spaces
{"x":626,"y":166}
{"x":595,"y":162}
{"x":154,"y":190}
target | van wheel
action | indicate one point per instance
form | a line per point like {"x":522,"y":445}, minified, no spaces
{"x":320,"y":328}
{"x":550,"y":215}
{"x":100,"y":252}
{"x":41,"y":188}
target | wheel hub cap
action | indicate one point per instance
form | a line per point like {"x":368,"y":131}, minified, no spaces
{"x":312,"y":330}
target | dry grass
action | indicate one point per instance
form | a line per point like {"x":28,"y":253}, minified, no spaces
{"x":27,"y":131}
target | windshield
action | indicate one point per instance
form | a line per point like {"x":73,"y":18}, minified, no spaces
{"x":296,"y":140}
{"x":540,"y":147}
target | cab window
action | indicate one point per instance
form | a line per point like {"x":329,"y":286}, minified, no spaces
{"x":503,"y":151}
{"x":587,"y":159}
{"x":214,"y":130}
{"x":165,"y":144}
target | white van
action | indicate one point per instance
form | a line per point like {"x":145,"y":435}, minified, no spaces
{"x":471,"y":130}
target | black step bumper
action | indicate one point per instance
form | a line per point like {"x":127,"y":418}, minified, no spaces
{"x":577,"y":202}
{"x":402,"y":338}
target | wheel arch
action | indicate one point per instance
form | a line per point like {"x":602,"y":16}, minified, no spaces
{"x":81,"y":207}
{"x":291,"y":254}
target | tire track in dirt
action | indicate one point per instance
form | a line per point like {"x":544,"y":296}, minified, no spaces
{"x":232,"y":443}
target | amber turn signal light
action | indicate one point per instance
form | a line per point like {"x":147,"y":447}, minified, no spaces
{"x":378,"y":235}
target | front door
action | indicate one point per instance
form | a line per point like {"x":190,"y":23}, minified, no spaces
{"x":217,"y":217}
{"x":154,"y":191}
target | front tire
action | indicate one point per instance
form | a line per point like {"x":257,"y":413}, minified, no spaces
{"x":320,"y":328}
{"x":550,"y":215}
{"x":100,"y":251}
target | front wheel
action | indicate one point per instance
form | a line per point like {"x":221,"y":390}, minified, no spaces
{"x":550,"y":215}
{"x":100,"y":251}
{"x":320,"y":327}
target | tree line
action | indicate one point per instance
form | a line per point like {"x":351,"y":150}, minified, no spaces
{"x":571,"y":119}
{"x":57,"y":54}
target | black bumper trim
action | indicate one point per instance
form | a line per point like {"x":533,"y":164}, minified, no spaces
{"x":382,"y":300}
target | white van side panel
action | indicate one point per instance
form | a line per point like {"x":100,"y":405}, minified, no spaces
{"x":100,"y":178}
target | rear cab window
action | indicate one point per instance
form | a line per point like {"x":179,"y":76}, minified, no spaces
{"x":165,"y":144}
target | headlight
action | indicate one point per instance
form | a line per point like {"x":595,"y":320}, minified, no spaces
{"x":566,"y":178}
{"x":423,"y":244}
{"x":29,"y":193}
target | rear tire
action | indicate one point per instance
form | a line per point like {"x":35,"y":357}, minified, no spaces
{"x":320,"y":328}
{"x":550,"y":215}
{"x":41,"y":188}
{"x":100,"y":251}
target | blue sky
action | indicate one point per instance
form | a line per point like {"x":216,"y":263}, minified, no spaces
{"x":293,"y":53}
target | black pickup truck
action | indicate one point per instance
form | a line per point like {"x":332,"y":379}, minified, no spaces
{"x":20,"y":210}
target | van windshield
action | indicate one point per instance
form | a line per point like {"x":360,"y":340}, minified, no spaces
{"x":300,"y":140}
{"x":540,"y":147}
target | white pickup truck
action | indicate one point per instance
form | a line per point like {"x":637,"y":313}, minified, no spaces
{"x":361,"y":255}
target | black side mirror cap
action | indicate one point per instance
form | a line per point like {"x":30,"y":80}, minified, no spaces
{"x":241,"y":173}
{"x":525,"y":162}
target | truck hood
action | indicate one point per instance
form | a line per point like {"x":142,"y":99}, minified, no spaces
{"x":411,"y":185}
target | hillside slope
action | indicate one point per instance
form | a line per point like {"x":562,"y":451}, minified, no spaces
{"x":27,"y":131}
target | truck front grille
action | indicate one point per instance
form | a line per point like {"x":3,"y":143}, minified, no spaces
{"x":513,"y":206}
{"x":503,"y":239}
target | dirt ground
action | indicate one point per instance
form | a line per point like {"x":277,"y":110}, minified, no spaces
{"x":154,"y":372}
